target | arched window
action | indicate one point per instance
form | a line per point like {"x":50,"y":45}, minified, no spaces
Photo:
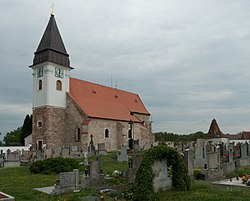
{"x":106,"y":133}
{"x":58,"y":85}
{"x":129,"y":133}
{"x":40,"y":85}
{"x":78,"y":134}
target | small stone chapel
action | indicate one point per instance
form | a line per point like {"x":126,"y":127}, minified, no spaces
{"x":69,"y":111}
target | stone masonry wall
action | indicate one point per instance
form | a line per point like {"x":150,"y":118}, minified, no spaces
{"x":74,"y":120}
{"x":118,"y":133}
{"x":48,"y":126}
{"x":59,"y":128}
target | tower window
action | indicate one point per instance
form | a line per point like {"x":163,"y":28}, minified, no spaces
{"x":40,"y":85}
{"x":39,"y":124}
{"x":106,"y":133}
{"x":58,"y":85}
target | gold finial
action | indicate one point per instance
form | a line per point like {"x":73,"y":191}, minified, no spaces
{"x":52,"y":9}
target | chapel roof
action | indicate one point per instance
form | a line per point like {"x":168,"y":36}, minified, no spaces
{"x":214,"y":130}
{"x":104,"y":102}
{"x":51,"y":47}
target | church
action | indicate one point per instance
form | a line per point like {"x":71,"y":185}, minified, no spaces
{"x":70,"y":112}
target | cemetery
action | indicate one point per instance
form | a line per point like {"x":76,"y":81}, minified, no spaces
{"x":126,"y":174}
{"x":129,"y":173}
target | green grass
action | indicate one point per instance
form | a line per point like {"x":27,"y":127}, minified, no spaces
{"x":203,"y":191}
{"x":19,"y":182}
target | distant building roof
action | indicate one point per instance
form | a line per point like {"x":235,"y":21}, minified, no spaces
{"x":233,"y":136}
{"x":105,"y":102}
{"x":245,"y":135}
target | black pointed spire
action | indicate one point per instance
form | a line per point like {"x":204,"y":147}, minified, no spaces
{"x":51,"y":47}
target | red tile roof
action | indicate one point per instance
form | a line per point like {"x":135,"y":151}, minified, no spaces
{"x":105,"y":102}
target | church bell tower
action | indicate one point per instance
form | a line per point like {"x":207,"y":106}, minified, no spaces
{"x":51,"y":72}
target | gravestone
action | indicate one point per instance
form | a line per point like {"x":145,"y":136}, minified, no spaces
{"x":39,"y":155}
{"x":231,"y":153}
{"x":209,"y":147}
{"x":65,"y":152}
{"x":237,"y":151}
{"x":68,"y":182}
{"x":25,"y":156}
{"x":124,"y":155}
{"x":161,"y":180}
{"x":74,"y":149}
{"x":12,"y":156}
{"x":47,"y":153}
{"x":1,"y":162}
{"x":57,"y":152}
{"x":189,"y":162}
{"x":244,"y":150}
{"x":94,"y":179}
{"x":249,"y":149}
{"x":213,"y":160}
{"x":101,"y":149}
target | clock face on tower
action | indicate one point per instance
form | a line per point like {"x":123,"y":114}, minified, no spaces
{"x":40,"y":72}
{"x":59,"y":72}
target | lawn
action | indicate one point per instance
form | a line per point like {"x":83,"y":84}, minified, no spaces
{"x":19,"y":182}
{"x":204,"y":191}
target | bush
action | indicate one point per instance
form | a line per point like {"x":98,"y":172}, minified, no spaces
{"x":144,"y":175}
{"x":54,"y":165}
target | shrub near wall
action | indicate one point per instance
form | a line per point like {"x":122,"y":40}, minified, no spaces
{"x":144,"y":175}
{"x":54,"y":165}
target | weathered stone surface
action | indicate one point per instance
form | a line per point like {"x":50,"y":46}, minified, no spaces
{"x":161,"y":180}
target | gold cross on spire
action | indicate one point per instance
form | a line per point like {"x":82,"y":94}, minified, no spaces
{"x":52,"y":9}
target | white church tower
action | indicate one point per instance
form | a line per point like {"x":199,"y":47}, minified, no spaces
{"x":51,"y":72}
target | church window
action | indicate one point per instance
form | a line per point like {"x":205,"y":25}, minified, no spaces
{"x":58,"y":85}
{"x":106,"y":133}
{"x":129,"y":133}
{"x":40,"y":85}
{"x":78,"y":134}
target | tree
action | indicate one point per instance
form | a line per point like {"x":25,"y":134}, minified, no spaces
{"x":179,"y":138}
{"x":26,"y":129}
{"x":12,"y":138}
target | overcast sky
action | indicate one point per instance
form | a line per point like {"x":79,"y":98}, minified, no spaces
{"x":189,"y":60}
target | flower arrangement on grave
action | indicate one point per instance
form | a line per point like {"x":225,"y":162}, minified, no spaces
{"x":245,"y":178}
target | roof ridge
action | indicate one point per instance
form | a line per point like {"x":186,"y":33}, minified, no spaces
{"x":104,"y":86}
